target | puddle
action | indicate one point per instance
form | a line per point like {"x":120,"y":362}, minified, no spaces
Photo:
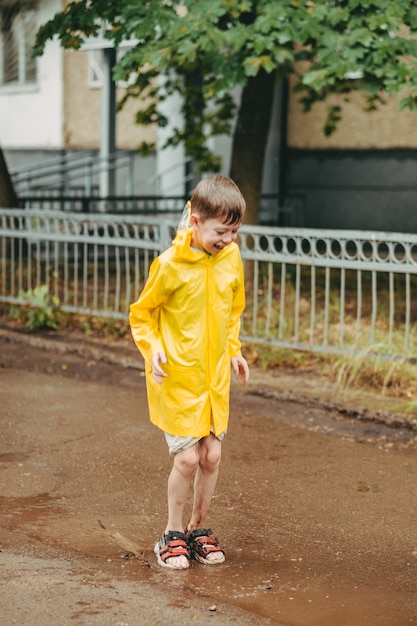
{"x":13,"y":457}
{"x":293,"y":596}
{"x":29,"y":510}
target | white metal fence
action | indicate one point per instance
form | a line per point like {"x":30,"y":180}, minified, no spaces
{"x":328,"y":291}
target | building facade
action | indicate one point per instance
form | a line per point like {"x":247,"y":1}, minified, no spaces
{"x":50,"y":106}
{"x":362,"y":177}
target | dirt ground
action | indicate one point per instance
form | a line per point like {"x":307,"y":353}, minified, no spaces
{"x":316,"y":501}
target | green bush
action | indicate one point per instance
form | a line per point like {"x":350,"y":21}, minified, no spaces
{"x":40,"y":309}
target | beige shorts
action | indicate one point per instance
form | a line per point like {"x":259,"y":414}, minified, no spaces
{"x":176,"y":444}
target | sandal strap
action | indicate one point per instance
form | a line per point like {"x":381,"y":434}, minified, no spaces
{"x":202,"y":541}
{"x":192,"y":535}
{"x":173,"y":543}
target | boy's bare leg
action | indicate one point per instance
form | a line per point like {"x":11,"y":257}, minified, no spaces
{"x":209,"y":450}
{"x":179,"y":481}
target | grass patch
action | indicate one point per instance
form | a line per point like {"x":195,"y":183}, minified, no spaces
{"x":368,"y":373}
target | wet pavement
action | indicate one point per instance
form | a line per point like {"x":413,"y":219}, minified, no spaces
{"x":316,"y":503}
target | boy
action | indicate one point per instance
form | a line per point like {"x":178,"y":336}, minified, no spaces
{"x":186,"y":324}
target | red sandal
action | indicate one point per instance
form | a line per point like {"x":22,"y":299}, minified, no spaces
{"x":171,"y":544}
{"x":202,"y":542}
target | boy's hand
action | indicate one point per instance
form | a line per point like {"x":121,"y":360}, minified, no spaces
{"x":240,"y":369}
{"x":157,"y":371}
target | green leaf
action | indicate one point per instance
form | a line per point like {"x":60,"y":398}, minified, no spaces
{"x":411,"y":17}
{"x":317,"y":79}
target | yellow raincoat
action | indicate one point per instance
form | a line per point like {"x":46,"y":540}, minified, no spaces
{"x":190,"y":307}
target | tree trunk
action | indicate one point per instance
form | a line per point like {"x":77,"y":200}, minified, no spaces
{"x":8,"y":197}
{"x":250,"y":138}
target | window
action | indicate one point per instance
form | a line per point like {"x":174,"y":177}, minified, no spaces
{"x":18,"y":26}
{"x":95,"y":66}
{"x":95,"y":71}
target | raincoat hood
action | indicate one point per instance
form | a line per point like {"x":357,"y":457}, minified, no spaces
{"x":182,"y":243}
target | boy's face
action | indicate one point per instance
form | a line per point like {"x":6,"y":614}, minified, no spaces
{"x":212,"y":235}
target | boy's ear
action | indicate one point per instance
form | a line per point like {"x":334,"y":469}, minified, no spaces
{"x":193,"y":220}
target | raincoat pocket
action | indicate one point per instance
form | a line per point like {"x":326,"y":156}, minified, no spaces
{"x":182,"y":400}
{"x":181,"y":384}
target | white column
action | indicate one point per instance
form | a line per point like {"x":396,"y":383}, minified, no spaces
{"x":170,"y":162}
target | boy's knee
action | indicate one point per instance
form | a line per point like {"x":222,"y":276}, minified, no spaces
{"x":211,"y":455}
{"x":213,"y":458}
{"x":186,"y":461}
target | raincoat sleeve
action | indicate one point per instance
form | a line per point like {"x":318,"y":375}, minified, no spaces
{"x":237,"y":310}
{"x":144,"y":313}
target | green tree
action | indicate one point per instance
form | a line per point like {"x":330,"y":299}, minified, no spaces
{"x":204,"y":49}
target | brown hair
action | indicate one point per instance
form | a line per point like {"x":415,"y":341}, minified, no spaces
{"x":218,"y":197}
